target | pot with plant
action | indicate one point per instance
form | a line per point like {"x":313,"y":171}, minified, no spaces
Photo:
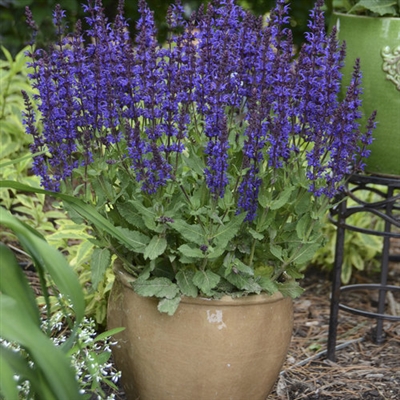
{"x":371,"y":30}
{"x":207,"y":165}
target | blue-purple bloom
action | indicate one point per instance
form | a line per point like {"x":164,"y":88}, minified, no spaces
{"x":224,"y":83}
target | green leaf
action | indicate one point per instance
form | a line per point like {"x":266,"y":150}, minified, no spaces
{"x":184,"y":279}
{"x":306,"y":253}
{"x":380,"y":7}
{"x":282,"y":199}
{"x":148,"y":215}
{"x":206,"y":281}
{"x":48,"y":258}
{"x":157,"y":287}
{"x":244,"y":282}
{"x":108,"y":334}
{"x":8,"y":385}
{"x":188,"y":251}
{"x":133,"y":240}
{"x":100,"y":261}
{"x":155,"y":248}
{"x":303,"y":204}
{"x":195,"y":163}
{"x":17,"y":326}
{"x":227,"y":232}
{"x":192,"y":233}
{"x":302,"y":226}
{"x":13,"y":282}
{"x":169,"y":306}
{"x":276,"y":251}
{"x":256,"y":235}
{"x":131,"y":215}
{"x":290,"y":288}
{"x":267,"y":284}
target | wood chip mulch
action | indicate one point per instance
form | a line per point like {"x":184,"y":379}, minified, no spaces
{"x":363,"y":369}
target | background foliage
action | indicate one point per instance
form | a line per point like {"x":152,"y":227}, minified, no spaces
{"x":14,"y":34}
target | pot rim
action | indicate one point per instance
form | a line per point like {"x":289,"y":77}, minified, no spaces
{"x":125,"y":278}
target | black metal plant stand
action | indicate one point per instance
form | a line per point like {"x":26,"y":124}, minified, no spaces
{"x":385,"y":209}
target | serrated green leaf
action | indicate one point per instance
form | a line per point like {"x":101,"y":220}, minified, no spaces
{"x":100,"y":261}
{"x":227,"y":232}
{"x":267,"y":284}
{"x":256,"y":235}
{"x":290,"y":288}
{"x":188,"y":251}
{"x":157,"y":287}
{"x":169,"y":306}
{"x":244,"y":282}
{"x":206,"y":281}
{"x":276,"y":251}
{"x":131,"y":215}
{"x":155,"y":248}
{"x":306,"y":253}
{"x":134,"y":239}
{"x":148,"y":215}
{"x":192,"y":233}
{"x":184,"y":279}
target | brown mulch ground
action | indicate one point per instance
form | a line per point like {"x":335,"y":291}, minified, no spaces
{"x":363,"y":369}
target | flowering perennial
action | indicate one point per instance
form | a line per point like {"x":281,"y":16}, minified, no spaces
{"x":181,"y":144}
{"x":99,"y":91}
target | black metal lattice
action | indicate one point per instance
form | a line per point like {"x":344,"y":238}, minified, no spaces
{"x":387,"y":209}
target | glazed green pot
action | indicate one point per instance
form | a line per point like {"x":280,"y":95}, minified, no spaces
{"x":376,"y":41}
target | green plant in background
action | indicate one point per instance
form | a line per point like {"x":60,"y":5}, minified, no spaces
{"x":14,"y":34}
{"x":52,"y":376}
{"x":378,"y":8}
{"x":38,"y":359}
{"x":360,"y":250}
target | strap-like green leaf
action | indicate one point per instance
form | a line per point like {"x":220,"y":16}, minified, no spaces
{"x":17,"y":326}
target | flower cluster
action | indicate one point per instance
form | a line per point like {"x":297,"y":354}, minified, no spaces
{"x":226,"y":113}
{"x":225,"y":69}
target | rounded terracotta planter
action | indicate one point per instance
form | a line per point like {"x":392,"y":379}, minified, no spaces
{"x":209,"y":349}
{"x":376,"y":42}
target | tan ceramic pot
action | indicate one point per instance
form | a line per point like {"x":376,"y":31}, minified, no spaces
{"x":209,"y":349}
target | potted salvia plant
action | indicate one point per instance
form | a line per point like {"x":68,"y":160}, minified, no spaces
{"x":207,"y":165}
{"x":371,"y":30}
